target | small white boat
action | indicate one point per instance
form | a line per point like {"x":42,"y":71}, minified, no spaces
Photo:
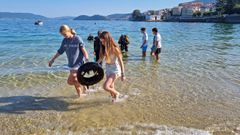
{"x":40,"y":23}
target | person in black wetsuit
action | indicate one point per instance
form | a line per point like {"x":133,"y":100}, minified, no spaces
{"x":97,"y":45}
{"x":123,"y":41}
{"x":90,"y":37}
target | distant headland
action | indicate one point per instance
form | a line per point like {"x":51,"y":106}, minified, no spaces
{"x":10,"y":15}
{"x":216,"y":11}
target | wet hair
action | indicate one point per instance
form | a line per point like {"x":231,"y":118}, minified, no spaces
{"x":65,"y":28}
{"x":143,"y":29}
{"x":155,"y":30}
{"x":99,"y":32}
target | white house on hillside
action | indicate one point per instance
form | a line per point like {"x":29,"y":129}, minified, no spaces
{"x":153,"y":15}
{"x":177,"y":11}
{"x":153,"y":18}
{"x":190,"y":7}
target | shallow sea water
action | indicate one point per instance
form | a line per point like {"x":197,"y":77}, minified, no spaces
{"x":195,"y":89}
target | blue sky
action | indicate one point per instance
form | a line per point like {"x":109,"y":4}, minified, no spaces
{"x":55,"y":8}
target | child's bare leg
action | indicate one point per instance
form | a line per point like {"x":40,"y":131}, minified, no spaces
{"x":78,"y":89}
{"x":113,"y":86}
{"x":157,"y":56}
{"x":84,"y":89}
{"x":109,"y":85}
{"x":74,"y":81}
{"x":144,"y":54}
{"x":153,"y":54}
{"x":70,"y":79}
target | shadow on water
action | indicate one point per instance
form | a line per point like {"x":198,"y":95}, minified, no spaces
{"x":133,"y":58}
{"x":223,"y":29}
{"x":223,"y":47}
{"x":223,"y":32}
{"x":21,"y":104}
{"x":222,"y":35}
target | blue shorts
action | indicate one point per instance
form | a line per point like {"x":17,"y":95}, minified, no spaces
{"x":144,"y":48}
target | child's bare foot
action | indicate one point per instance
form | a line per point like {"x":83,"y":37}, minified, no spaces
{"x":120,"y":98}
{"x":84,"y":90}
{"x":78,"y":93}
{"x":115,"y":97}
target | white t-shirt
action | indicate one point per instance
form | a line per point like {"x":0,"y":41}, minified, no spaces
{"x":145,"y":37}
{"x":158,"y":39}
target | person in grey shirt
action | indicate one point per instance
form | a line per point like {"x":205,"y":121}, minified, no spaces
{"x":73,"y":45}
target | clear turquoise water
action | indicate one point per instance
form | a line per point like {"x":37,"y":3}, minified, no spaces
{"x":198,"y":77}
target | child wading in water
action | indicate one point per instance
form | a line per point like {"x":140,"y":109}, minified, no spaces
{"x":157,"y":43}
{"x":114,"y":63}
{"x":144,"y":45}
{"x":73,"y":45}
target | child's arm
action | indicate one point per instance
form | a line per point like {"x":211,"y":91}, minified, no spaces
{"x":120,"y":60}
{"x":53,"y":59}
{"x":60,"y":51}
{"x":85,"y":53}
{"x":158,"y":39}
{"x":100,"y":60}
{"x":156,"y":43}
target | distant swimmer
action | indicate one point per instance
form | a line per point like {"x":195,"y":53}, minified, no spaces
{"x":90,"y":37}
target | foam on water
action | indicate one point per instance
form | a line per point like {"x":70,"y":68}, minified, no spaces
{"x":138,"y":129}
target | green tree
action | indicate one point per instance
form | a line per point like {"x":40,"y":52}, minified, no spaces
{"x":220,"y":6}
{"x":137,"y":15}
{"x":236,"y":8}
{"x":227,"y":6}
{"x":206,"y":14}
{"x":197,"y":14}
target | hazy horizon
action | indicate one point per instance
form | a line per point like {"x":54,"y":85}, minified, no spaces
{"x":75,"y":8}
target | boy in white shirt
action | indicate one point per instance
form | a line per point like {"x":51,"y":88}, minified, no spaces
{"x":157,"y":43}
{"x":144,"y":45}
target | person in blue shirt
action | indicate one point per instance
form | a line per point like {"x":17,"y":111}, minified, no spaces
{"x":74,"y":48}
